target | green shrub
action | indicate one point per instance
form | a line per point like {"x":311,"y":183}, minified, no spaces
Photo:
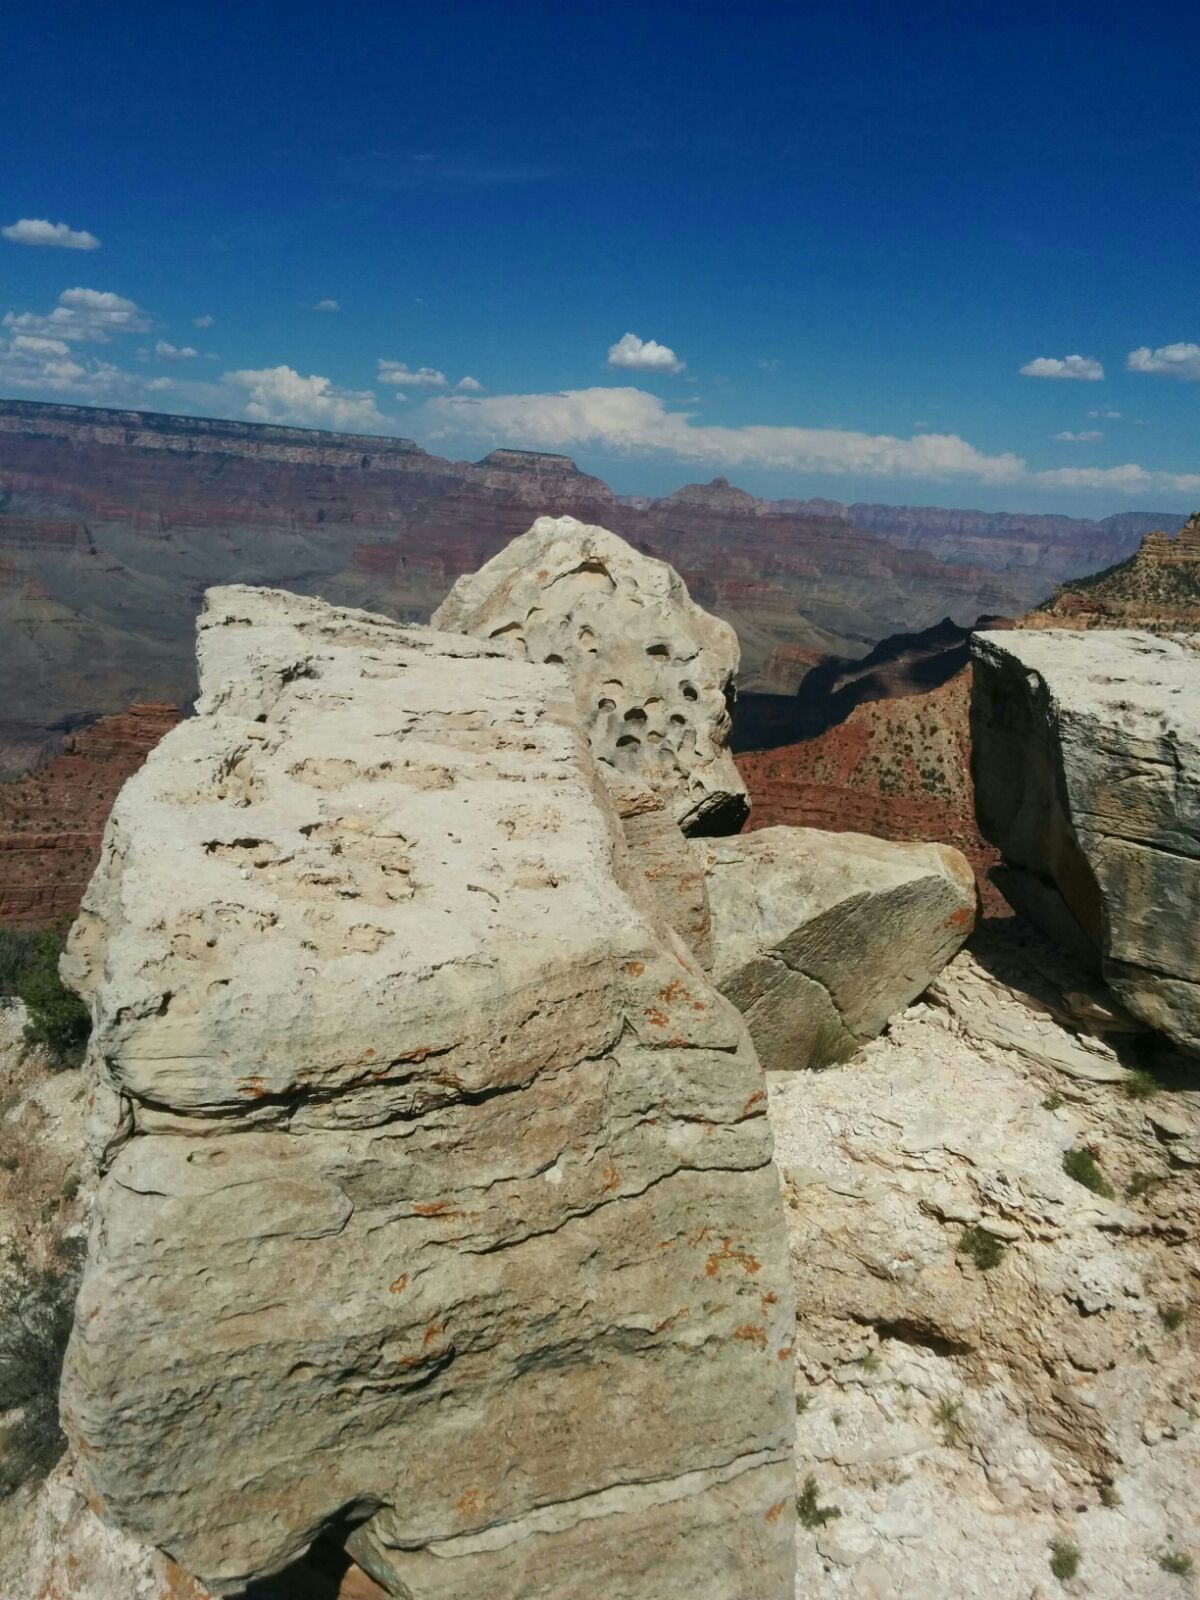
{"x":1172,"y":1317}
{"x":1140,"y":1085}
{"x":948,"y":1416}
{"x":36,"y":1309}
{"x":812,"y":1514}
{"x":1081,"y":1165}
{"x":985,"y":1249}
{"x":58,"y":1019}
{"x":1064,"y":1559}
{"x":1177,"y":1562}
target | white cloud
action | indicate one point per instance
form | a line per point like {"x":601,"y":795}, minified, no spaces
{"x":469,"y":385}
{"x":398,"y":374}
{"x":203,"y":322}
{"x":90,"y":316}
{"x":32,"y":230}
{"x":1084,"y":367}
{"x":1110,"y":415}
{"x":156,"y":385}
{"x":769,"y":363}
{"x":629,"y":421}
{"x":643,"y":355}
{"x":1088,"y":436}
{"x":1168,"y":361}
{"x":173,"y":352}
{"x":280,"y":394}
{"x":632,"y":422}
{"x":327,"y":305}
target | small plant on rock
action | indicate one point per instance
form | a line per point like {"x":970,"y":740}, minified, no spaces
{"x":1177,"y":1562}
{"x":1142,"y":1183}
{"x":1083,"y":1167}
{"x":1109,"y":1498}
{"x":803,"y":1401}
{"x":811,"y":1513}
{"x":36,"y":1309}
{"x":1053,"y":1102}
{"x":1172,"y":1317}
{"x":1064,"y":1559}
{"x":948,"y":1416}
{"x":1139,"y":1084}
{"x":985,"y":1249}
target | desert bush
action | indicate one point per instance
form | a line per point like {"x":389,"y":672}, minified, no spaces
{"x":36,"y":1309}
{"x":1082,"y":1166}
{"x":985,"y":1249}
{"x":58,"y":1019}
{"x":1064,"y":1559}
{"x":808,"y":1508}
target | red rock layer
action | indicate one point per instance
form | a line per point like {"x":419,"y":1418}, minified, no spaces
{"x":51,"y":820}
{"x":897,"y":768}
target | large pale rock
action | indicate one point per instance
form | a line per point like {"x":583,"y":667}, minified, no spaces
{"x":653,"y":673}
{"x":818,"y":938}
{"x":440,"y":1197}
{"x":1087,"y":778}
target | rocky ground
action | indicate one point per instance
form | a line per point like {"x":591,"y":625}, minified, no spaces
{"x":960,"y":1418}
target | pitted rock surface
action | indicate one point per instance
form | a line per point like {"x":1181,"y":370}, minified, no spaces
{"x":818,"y":938}
{"x":653,"y":673}
{"x":439,"y":1196}
{"x":1087,"y":778}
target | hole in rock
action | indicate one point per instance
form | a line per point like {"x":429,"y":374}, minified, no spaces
{"x":552,"y":657}
{"x":606,"y":704}
{"x":659,"y":651}
{"x":688,"y":691}
{"x":635,"y":714}
{"x":628,"y":741}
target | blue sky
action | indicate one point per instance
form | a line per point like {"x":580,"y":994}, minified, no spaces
{"x":836,"y":233}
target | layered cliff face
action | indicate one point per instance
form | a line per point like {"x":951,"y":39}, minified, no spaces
{"x":51,"y":820}
{"x":112,"y":525}
{"x":1156,"y":591}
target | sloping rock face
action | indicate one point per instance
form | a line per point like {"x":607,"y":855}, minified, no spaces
{"x":439,"y":1197}
{"x":653,"y":673}
{"x":818,"y":938}
{"x":1087,"y":778}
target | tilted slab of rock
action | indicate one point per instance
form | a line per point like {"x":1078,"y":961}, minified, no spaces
{"x":440,"y":1196}
{"x":818,"y":938}
{"x":653,"y":673}
{"x":1087,"y":778}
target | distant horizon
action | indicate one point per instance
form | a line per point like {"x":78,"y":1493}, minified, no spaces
{"x":602,"y":471}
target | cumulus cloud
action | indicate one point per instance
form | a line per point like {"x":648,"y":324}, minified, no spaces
{"x":48,"y":366}
{"x":174,"y":352}
{"x":469,"y":385}
{"x":327,"y":305}
{"x":90,"y":316}
{"x":203,"y":322}
{"x":643,"y":355}
{"x":31,"y":230}
{"x":399,"y":375}
{"x":1084,"y":367}
{"x":631,"y":422}
{"x":1088,"y":436}
{"x":280,"y":394}
{"x":1168,"y":361}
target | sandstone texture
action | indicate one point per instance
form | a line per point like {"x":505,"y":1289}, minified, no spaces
{"x":957,"y":1418}
{"x":438,"y":1199}
{"x":1087,"y":779}
{"x":653,"y":674}
{"x":818,"y":938}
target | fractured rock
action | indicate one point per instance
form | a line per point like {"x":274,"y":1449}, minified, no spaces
{"x":653,"y":673}
{"x":440,"y":1199}
{"x":818,"y":938}
{"x":1087,"y":778}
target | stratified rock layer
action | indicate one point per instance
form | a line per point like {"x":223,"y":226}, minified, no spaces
{"x":439,"y":1196}
{"x":818,"y":938}
{"x":652,"y":672}
{"x":1087,"y":778}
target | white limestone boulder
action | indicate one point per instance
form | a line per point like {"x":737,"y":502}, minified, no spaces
{"x":439,"y":1198}
{"x":653,"y":673}
{"x":818,"y":938}
{"x":1086,"y":757}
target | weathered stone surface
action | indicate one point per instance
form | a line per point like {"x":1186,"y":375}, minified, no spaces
{"x":652,"y":672}
{"x":1087,"y":773}
{"x":818,"y":938}
{"x":440,"y":1196}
